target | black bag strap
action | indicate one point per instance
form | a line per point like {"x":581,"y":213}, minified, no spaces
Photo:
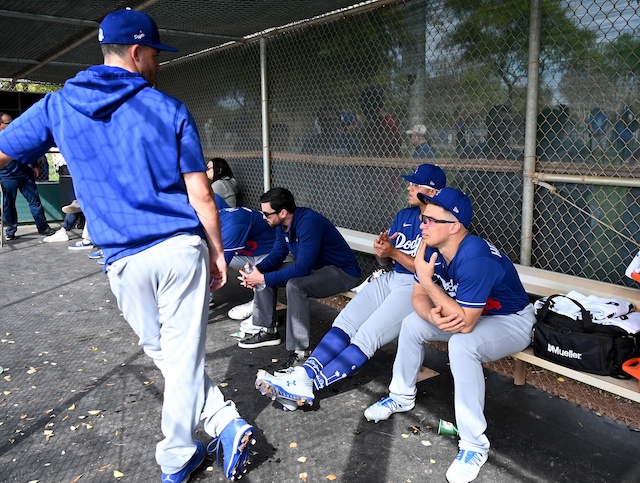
{"x":587,"y":323}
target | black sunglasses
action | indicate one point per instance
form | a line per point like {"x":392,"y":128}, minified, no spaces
{"x":426,"y":220}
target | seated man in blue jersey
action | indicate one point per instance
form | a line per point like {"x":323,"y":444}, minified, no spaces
{"x":246,"y":236}
{"x":467,"y":293}
{"x":324,"y":265}
{"x":373,"y":318}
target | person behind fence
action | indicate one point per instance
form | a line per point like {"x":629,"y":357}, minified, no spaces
{"x":380,"y":135}
{"x":323,"y":265}
{"x":462,"y":131}
{"x":467,"y":293}
{"x":624,"y":130}
{"x":222,"y":181}
{"x":418,"y":137}
{"x":161,"y":240}
{"x":374,"y":316}
{"x":16,"y":177}
{"x":597,"y":127}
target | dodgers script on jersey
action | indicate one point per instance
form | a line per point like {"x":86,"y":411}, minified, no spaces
{"x":480,"y":276}
{"x":407,"y":225}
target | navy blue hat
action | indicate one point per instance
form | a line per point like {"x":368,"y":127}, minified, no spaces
{"x":130,"y":27}
{"x":428,"y":175}
{"x":452,"y":200}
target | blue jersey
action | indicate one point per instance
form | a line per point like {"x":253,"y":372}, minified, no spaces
{"x":314,"y":242}
{"x":407,"y":225}
{"x":481,"y":276}
{"x":245,"y":232}
{"x":127,"y":146}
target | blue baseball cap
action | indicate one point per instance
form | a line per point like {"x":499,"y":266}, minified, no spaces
{"x":130,"y":27}
{"x":452,"y":200}
{"x":429,"y":175}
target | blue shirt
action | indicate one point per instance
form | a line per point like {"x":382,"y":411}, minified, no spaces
{"x":480,"y":276}
{"x":423,"y":151}
{"x":127,"y":146}
{"x":407,"y":224}
{"x":314,"y":242}
{"x":245,"y":232}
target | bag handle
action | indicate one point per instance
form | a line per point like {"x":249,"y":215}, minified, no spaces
{"x":587,"y":323}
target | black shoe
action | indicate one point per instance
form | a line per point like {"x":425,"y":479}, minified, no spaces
{"x":10,"y":237}
{"x":293,"y":359}
{"x":47,"y":231}
{"x":261,"y":339}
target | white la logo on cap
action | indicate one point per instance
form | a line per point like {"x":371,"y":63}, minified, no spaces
{"x":100,"y":35}
{"x":456,"y":210}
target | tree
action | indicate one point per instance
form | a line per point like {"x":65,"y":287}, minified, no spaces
{"x":495,"y":34}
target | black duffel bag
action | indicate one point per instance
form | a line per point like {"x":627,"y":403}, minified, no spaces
{"x":582,"y":344}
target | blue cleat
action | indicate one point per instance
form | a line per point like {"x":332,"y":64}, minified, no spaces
{"x":235,"y":440}
{"x":183,"y":475}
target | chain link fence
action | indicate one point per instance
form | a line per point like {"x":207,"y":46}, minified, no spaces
{"x":351,"y":100}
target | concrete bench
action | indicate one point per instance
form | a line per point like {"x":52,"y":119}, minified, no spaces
{"x":542,"y":283}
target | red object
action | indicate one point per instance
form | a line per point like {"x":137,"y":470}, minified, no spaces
{"x":632,"y":367}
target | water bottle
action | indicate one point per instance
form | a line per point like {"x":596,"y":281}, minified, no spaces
{"x":248,"y":269}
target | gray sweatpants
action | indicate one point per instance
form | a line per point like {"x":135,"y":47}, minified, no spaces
{"x":161,"y":292}
{"x":374,"y":317}
{"x":493,"y":338}
{"x":324,"y":282}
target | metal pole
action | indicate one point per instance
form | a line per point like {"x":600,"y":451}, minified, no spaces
{"x":266,"y":151}
{"x":526,"y":236}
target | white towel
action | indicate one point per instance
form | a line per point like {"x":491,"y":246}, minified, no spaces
{"x":629,"y":322}
{"x":600,"y":307}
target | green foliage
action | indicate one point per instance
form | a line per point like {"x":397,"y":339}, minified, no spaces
{"x":495,"y":33}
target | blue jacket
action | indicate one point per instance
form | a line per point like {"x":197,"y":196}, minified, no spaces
{"x":245,"y":232}
{"x":126,"y":146}
{"x":314,"y":242}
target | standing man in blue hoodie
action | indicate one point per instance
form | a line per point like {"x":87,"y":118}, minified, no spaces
{"x":161,"y":241}
{"x":324,"y":265}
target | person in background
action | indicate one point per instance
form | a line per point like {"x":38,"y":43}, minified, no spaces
{"x":222,"y":181}
{"x":418,"y":137}
{"x":374,"y":316}
{"x":16,"y":177}
{"x":468,"y":294}
{"x":161,"y":238}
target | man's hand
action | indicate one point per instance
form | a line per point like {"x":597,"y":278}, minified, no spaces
{"x":451,"y":323}
{"x":382,"y":246}
{"x":425,"y":269}
{"x":250,"y":280}
{"x":217,"y":270}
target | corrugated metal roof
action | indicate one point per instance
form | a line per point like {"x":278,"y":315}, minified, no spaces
{"x":51,"y":40}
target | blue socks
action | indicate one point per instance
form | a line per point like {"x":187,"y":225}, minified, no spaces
{"x":332,"y":344}
{"x":347,"y":362}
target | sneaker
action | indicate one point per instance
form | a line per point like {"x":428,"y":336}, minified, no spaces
{"x":59,"y":236}
{"x":10,"y":236}
{"x":102,"y":261}
{"x":81,"y":245}
{"x":294,"y":359}
{"x":235,"y":439}
{"x":370,"y":279}
{"x":261,"y":339}
{"x":466,"y":466}
{"x":241,"y":312}
{"x":212,"y":300}
{"x":384,"y":408}
{"x":296,"y":386}
{"x":247,"y":326}
{"x":48,"y":231}
{"x":96,"y":255}
{"x":184,"y":474}
{"x":72,"y":207}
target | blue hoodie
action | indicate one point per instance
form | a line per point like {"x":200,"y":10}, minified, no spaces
{"x":314,"y":242}
{"x":126,"y":146}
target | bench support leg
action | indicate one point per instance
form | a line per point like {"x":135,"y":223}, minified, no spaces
{"x":519,"y":372}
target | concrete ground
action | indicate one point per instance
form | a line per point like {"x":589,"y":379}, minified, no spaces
{"x":80,"y":402}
